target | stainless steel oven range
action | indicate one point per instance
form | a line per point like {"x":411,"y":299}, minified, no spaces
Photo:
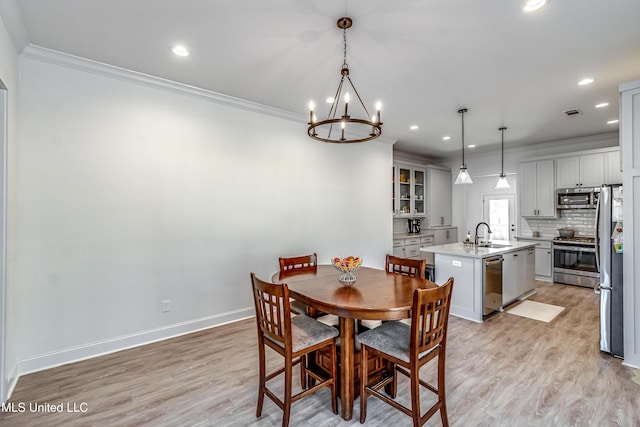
{"x":575,"y":261}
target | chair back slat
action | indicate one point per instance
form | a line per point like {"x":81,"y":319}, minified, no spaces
{"x":430,"y":316}
{"x":273,"y":313}
{"x":298,"y":265}
{"x":406,"y":266}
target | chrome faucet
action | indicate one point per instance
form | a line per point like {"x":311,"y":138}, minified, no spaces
{"x":477,"y":226}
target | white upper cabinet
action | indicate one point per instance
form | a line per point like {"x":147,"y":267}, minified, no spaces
{"x":591,"y":170}
{"x":439,"y":196}
{"x":536,"y":189}
{"x":408,"y":191}
{"x":612,"y":172}
{"x":587,"y":170}
{"x":568,"y":172}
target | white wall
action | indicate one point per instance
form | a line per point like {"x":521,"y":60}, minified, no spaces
{"x":129,"y":195}
{"x":8,"y":301}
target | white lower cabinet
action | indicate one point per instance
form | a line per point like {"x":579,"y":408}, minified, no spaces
{"x":510,"y":269}
{"x":398,"y":247}
{"x":410,"y":247}
{"x":424,"y":243}
{"x":529,"y":278}
{"x":518,"y":274}
{"x":543,"y":263}
{"x":543,"y":259}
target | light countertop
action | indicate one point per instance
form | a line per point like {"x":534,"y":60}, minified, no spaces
{"x":410,"y":235}
{"x":471,"y":251}
{"x":540,"y":238}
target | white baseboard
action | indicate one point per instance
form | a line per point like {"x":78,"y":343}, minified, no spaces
{"x":99,"y":348}
{"x":12,"y":380}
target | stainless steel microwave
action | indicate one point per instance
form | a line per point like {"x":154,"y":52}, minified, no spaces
{"x":577,"y":198}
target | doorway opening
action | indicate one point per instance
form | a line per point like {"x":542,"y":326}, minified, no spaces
{"x":499,"y":213}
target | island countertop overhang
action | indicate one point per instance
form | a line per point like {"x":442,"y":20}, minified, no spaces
{"x":472,"y":251}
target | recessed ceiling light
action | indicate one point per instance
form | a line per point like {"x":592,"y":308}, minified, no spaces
{"x":602,"y":105}
{"x":180,"y":50}
{"x":471,"y":146}
{"x":585,"y":81}
{"x":329,"y":100}
{"x":446,"y":138}
{"x":531,"y":5}
{"x":414,"y":127}
{"x":613,"y":122}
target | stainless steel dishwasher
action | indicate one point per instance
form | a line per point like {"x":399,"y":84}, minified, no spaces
{"x":492,"y":269}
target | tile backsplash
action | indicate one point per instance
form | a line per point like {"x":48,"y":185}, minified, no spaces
{"x":400,"y":225}
{"x":580,"y":220}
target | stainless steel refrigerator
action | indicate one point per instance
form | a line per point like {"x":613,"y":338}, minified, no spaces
{"x":608,"y":214}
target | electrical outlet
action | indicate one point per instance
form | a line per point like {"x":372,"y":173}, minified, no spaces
{"x":164,"y":306}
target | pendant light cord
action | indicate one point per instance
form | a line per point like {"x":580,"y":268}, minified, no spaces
{"x":502,"y":175}
{"x":502,"y":152}
{"x":462,"y":111}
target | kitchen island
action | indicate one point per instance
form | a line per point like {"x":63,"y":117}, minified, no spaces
{"x":466,"y":264}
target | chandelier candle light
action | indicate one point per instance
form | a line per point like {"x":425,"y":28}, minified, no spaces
{"x":502,"y":182}
{"x":463,"y":175}
{"x":364,"y":129}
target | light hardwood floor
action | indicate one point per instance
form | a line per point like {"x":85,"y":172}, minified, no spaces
{"x":508,"y":371}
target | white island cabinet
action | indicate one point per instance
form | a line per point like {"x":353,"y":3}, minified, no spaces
{"x":464,"y":263}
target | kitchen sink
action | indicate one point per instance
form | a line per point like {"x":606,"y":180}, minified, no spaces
{"x":492,"y":245}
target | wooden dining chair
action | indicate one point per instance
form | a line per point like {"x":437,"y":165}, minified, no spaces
{"x":403,"y":266}
{"x":292,"y":337}
{"x":406,"y":266}
{"x":408,"y":348}
{"x":290,"y":266}
{"x":303,"y":264}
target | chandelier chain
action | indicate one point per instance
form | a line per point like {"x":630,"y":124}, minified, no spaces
{"x":344,"y":38}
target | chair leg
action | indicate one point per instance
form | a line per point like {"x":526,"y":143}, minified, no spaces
{"x":334,"y":375}
{"x":364,"y":379}
{"x":392,"y":387}
{"x":441,"y":390}
{"x":415,"y":395}
{"x":288,"y":374}
{"x":303,"y":372}
{"x":261,"y":381}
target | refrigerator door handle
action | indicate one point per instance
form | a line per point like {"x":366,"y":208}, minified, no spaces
{"x":597,"y":233}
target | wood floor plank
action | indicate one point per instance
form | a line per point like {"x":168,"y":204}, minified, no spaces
{"x":508,"y":371}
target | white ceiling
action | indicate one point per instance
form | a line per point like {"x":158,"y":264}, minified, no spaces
{"x":423,"y":59}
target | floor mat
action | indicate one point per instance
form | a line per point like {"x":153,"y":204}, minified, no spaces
{"x":536,"y":310}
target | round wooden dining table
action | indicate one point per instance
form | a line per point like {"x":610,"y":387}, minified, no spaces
{"x":376,"y":295}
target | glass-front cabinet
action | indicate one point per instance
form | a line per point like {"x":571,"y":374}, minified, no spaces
{"x":408,"y":190}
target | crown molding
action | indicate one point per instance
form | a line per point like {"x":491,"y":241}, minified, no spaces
{"x":99,"y":68}
{"x":12,"y":18}
{"x":66,"y":60}
{"x":538,"y":150}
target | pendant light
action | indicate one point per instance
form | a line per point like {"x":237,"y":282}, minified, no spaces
{"x":502,"y":182}
{"x":463,"y":175}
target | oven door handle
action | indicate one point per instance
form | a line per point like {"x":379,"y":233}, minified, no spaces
{"x":574,"y":248}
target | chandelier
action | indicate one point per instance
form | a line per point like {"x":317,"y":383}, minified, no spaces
{"x":332,"y":129}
